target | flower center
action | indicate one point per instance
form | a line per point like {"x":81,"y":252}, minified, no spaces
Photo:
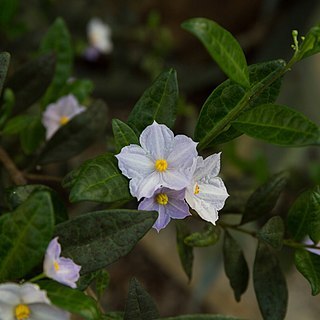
{"x":64,"y":120}
{"x":196,"y":189}
{"x":22,"y":312}
{"x":162,"y":199}
{"x":56,"y":266}
{"x":161,"y":165}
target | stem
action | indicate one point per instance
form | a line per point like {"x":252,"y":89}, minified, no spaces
{"x":38,"y":277}
{"x":33,"y":176}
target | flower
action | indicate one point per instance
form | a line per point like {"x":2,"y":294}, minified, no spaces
{"x":307,"y":241}
{"x":61,"y":269}
{"x":207,"y":193}
{"x":60,"y":113}
{"x":27,"y":302}
{"x":169,"y":204}
{"x":163,"y":160}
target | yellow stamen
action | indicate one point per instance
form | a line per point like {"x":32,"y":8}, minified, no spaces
{"x":196,"y":189}
{"x":56,"y":266}
{"x":161,"y":165}
{"x":22,"y":312}
{"x":162,"y":199}
{"x":64,"y":120}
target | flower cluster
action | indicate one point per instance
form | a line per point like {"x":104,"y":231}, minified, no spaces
{"x":167,"y":172}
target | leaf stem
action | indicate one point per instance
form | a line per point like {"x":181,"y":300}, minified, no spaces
{"x":38,"y":277}
{"x":34,"y":176}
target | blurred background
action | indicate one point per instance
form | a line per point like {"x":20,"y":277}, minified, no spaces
{"x":146,"y":37}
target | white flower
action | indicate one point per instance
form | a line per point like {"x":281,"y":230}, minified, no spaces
{"x":61,"y":269}
{"x":60,"y":113}
{"x":163,"y":160}
{"x":99,"y":35}
{"x":207,"y":193}
{"x":27,"y":302}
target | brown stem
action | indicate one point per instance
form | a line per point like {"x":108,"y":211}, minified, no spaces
{"x":34,"y":176}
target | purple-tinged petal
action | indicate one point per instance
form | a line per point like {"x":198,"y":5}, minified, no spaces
{"x":68,"y":273}
{"x":145,"y":188}
{"x":177,"y":209}
{"x":176,"y":194}
{"x":148,"y":204}
{"x":176,"y":180}
{"x":31,"y":293}
{"x":208,"y":168}
{"x":54,"y":248}
{"x":41,"y":311}
{"x":163,"y":219}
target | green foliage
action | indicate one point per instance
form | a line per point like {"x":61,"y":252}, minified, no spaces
{"x":112,"y":316}
{"x":310,"y":45}
{"x":102,"y":279}
{"x":140,"y":305}
{"x":202,"y":317}
{"x":8,"y":9}
{"x":71,"y":300}
{"x":308,"y":265}
{"x":235,"y":266}
{"x":24,"y":235}
{"x":98,"y":180}
{"x":4,"y":65}
{"x":223,"y":48}
{"x":97,"y":239}
{"x":7,"y":106}
{"x":80,"y":88}
{"x":123,"y":134}
{"x":158,"y":103}
{"x":16,"y":124}
{"x":208,"y":237}
{"x":269,"y":284}
{"x":273,"y":232}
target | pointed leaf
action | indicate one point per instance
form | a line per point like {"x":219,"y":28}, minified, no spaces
{"x":208,"y":237}
{"x":140,"y":305}
{"x":159,"y":102}
{"x":310,"y":44}
{"x":97,"y":239}
{"x":123,"y":134}
{"x":4,"y":65}
{"x":273,"y":232}
{"x":24,"y":236}
{"x":269,"y":284}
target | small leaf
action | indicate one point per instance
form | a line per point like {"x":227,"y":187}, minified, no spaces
{"x":308,"y":264}
{"x":223,"y":48}
{"x":273,"y":232}
{"x":263,"y":200}
{"x":202,"y":317}
{"x":102,"y":282}
{"x":208,"y":237}
{"x":99,"y":180}
{"x":4,"y":65}
{"x":310,"y":44}
{"x":235,"y":266}
{"x":140,"y":305}
{"x":185,"y":251}
{"x":123,"y":134}
{"x":71,"y":300}
{"x":269,"y":284}
{"x":279,"y":125}
{"x":24,"y":236}
{"x":158,"y":103}
{"x":97,"y":239}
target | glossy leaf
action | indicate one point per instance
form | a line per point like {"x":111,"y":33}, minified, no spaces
{"x":97,"y":239}
{"x":140,"y":305}
{"x":273,"y":232}
{"x":77,"y":135}
{"x":310,"y":44}
{"x":278,"y":124}
{"x":235,"y":266}
{"x":308,"y":264}
{"x":265,"y":197}
{"x":269,"y":284}
{"x":304,"y":216}
{"x":158,"y":103}
{"x":222,"y":47}
{"x":98,"y":180}
{"x":4,"y":65}
{"x":123,"y":134}
{"x":202,"y":317}
{"x":74,"y":301}
{"x":208,"y":237}
{"x":24,"y":236}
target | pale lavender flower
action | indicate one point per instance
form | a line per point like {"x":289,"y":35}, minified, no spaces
{"x":207,"y":192}
{"x":60,"y":113}
{"x":163,"y":160}
{"x":169,"y":204}
{"x":27,"y":302}
{"x":308,"y":241}
{"x":61,"y":269}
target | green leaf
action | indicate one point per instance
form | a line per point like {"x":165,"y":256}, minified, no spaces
{"x":269,"y":284}
{"x":112,"y":316}
{"x":158,"y":103}
{"x":98,"y":180}
{"x":75,"y":136}
{"x":278,"y":124}
{"x":208,"y":237}
{"x":80,"y":88}
{"x":202,"y":317}
{"x":17,"y":124}
{"x":71,"y":300}
{"x":102,"y":282}
{"x":263,"y":199}
{"x":8,"y":9}
{"x":308,"y":264}
{"x":4,"y":65}
{"x":97,"y":239}
{"x":57,"y":40}
{"x":213,"y":126}
{"x":185,"y":251}
{"x":15,"y":196}
{"x":235,"y":266}
{"x":273,"y":232}
{"x":24,"y":236}
{"x":304,"y":216}
{"x":222,"y":47}
{"x":123,"y":134}
{"x":140,"y":305}
{"x":311,"y":44}
{"x":7,"y":106}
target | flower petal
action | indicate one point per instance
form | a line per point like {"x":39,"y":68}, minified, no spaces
{"x":42,"y":311}
{"x":176,"y":180}
{"x":68,"y":272}
{"x":177,"y":209}
{"x":163,"y":218}
{"x":148,"y":204}
{"x":145,"y":187}
{"x":6,"y":311}
{"x":31,"y":293}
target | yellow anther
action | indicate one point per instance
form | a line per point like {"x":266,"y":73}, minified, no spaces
{"x":162,"y":198}
{"x":56,"y":266}
{"x":161,"y":165}
{"x":22,"y":312}
{"x":64,"y":120}
{"x":196,"y":189}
